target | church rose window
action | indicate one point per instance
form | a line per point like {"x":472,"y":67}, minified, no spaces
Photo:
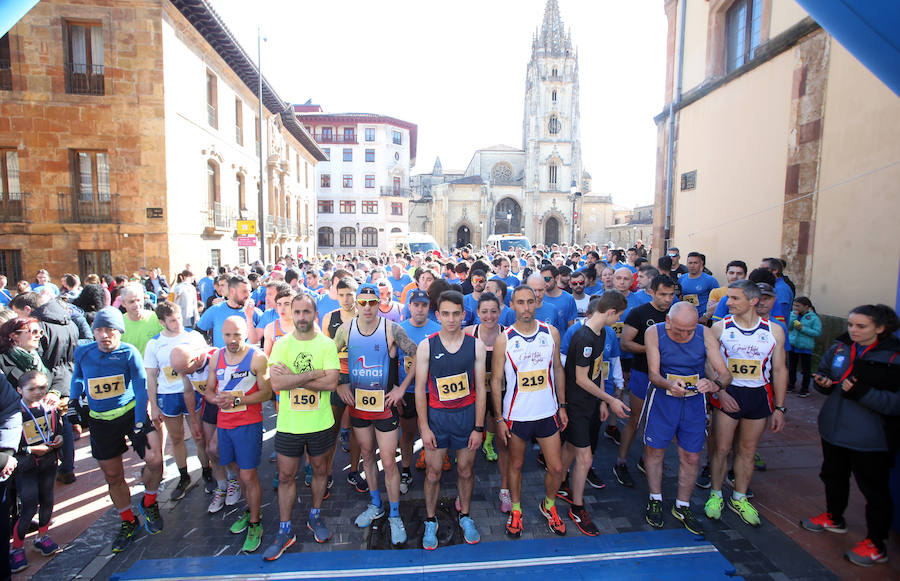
{"x":501,"y":172}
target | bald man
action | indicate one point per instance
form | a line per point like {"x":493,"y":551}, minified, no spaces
{"x":544,"y":311}
{"x":678,"y":351}
{"x":239,"y":386}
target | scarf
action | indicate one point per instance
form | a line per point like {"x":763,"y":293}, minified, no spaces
{"x":27,"y":360}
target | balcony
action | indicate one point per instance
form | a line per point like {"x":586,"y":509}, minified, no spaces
{"x":80,"y":209}
{"x":84,"y":79}
{"x":392,"y":191}
{"x":5,"y":76}
{"x":12,"y":207}
{"x":334,"y":138}
{"x":222,"y":218}
{"x":270,"y":225}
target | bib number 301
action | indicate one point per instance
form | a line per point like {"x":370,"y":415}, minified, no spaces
{"x":453,"y":387}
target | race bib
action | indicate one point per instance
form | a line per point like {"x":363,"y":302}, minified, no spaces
{"x":170,"y":374}
{"x":598,"y":367}
{"x":604,"y":372}
{"x":106,"y":387}
{"x":234,"y":393}
{"x":536,"y":380}
{"x":453,"y":387}
{"x":745,"y":368}
{"x":304,"y":400}
{"x":370,"y":400}
{"x":691,"y":299}
{"x":407,"y":363}
{"x":618,"y":328}
{"x":690,"y":383}
{"x":31,"y":432}
{"x":199,"y":386}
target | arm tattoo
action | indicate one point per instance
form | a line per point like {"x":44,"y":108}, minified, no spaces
{"x":403,"y":340}
{"x":339,"y":340}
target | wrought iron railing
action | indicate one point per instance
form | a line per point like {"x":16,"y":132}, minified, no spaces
{"x":12,"y":206}
{"x":88,"y":209}
{"x":84,"y":79}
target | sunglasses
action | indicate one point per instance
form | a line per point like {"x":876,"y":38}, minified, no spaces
{"x":35,"y":332}
{"x":573,"y":283}
{"x":477,"y":279}
{"x":548,"y":278}
{"x":367,"y":302}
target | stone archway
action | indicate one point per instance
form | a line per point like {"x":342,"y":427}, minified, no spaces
{"x":507,"y":216}
{"x":463,"y":236}
{"x":551,"y":231}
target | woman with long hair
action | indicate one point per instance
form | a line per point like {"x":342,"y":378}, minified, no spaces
{"x":20,"y":340}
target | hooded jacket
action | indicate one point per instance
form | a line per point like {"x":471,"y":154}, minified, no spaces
{"x":58,"y":343}
{"x":864,"y":418}
{"x":10,"y":420}
{"x":805,"y":336}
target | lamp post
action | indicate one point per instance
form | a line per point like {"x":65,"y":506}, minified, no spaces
{"x":574,"y":194}
{"x":260,"y":205}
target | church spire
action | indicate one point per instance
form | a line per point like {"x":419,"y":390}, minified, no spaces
{"x":553,"y":38}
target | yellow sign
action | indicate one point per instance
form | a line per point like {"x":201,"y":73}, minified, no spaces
{"x":246,"y":227}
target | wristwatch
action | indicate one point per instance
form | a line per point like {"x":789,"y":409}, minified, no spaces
{"x":563,"y":405}
{"x":781,"y":409}
{"x":236,"y":402}
{"x":719,"y":383}
{"x":479,"y":429}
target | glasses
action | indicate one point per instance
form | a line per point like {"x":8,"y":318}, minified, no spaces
{"x":573,"y":283}
{"x":35,"y":332}
{"x":548,"y":278}
{"x":477,"y":279}
{"x":367,"y":302}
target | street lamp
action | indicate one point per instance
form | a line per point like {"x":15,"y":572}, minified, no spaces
{"x":574,"y":194}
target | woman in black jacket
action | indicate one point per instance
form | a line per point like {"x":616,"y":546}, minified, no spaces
{"x":860,"y":374}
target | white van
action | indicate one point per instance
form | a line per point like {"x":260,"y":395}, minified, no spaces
{"x":509,"y":242}
{"x":417,"y":242}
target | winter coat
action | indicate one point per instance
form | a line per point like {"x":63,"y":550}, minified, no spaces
{"x":804,"y":338}
{"x":58,"y":343}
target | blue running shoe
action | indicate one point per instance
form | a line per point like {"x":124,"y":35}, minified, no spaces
{"x":429,"y":539}
{"x":398,"y":531}
{"x":470,"y":533}
{"x":371,"y":513}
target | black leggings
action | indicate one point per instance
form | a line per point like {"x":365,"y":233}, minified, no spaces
{"x":34,"y":483}
{"x":805,"y":361}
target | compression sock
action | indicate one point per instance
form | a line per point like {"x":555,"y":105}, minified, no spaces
{"x":517,"y":506}
{"x":284,"y":527}
{"x":376,"y":497}
{"x":395,"y":509}
{"x":127,"y":514}
{"x":149,"y":497}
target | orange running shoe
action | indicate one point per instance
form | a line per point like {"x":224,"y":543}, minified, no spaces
{"x":553,"y":521}
{"x":514,"y":523}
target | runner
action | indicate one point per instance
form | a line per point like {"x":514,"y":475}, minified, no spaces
{"x":372,"y":343}
{"x":554,"y":297}
{"x":696,"y":285}
{"x":534,"y":404}
{"x":304,"y":366}
{"x":754,"y":353}
{"x":717,"y":305}
{"x":283,"y":324}
{"x":678,"y":352}
{"x":165,"y":388}
{"x":239,"y":386}
{"x":662,"y":293}
{"x":577,"y":283}
{"x":238,"y":304}
{"x":545,"y":312}
{"x":451,"y":414}
{"x":417,"y":327}
{"x":586,"y":372}
{"x":111,"y":374}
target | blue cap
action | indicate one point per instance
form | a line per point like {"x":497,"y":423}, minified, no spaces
{"x":418,"y":295}
{"x":109,"y":318}
{"x":367,"y":289}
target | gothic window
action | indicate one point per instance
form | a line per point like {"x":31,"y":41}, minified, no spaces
{"x":501,"y":173}
{"x":555,"y":73}
{"x":554,"y":176}
{"x":554,"y":125}
{"x":553,"y":96}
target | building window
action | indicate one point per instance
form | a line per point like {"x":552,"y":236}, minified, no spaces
{"x":84,"y":61}
{"x":370,"y":155}
{"x":347,"y":181}
{"x":325,"y":181}
{"x":397,"y":137}
{"x":238,"y":121}
{"x":554,"y":73}
{"x":553,"y":96}
{"x":396,"y":185}
{"x":305,"y":175}
{"x":370,"y":134}
{"x":5,"y":70}
{"x":12,"y":203}
{"x":369,"y":207}
{"x":349,"y":134}
{"x":326,"y":236}
{"x":11,"y":266}
{"x":94,"y":262}
{"x":348,"y":206}
{"x":370,"y":181}
{"x":348,"y":154}
{"x":297,"y":164}
{"x":258,"y":137}
{"x":396,"y":208}
{"x":215,"y":258}
{"x":369,"y":237}
{"x":91,"y":174}
{"x":212,"y":99}
{"x":328,"y":133}
{"x":501,"y":172}
{"x":348,"y":237}
{"x":554,"y":176}
{"x":742,"y":22}
{"x":327,"y":152}
{"x":242,"y":256}
{"x":212,"y":183}
{"x":554,"y":125}
{"x":239,"y":184}
{"x":326,"y":206}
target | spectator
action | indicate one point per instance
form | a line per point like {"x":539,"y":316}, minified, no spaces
{"x":156,"y":283}
{"x":804,"y":326}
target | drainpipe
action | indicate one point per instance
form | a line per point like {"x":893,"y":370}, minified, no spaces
{"x":670,"y":162}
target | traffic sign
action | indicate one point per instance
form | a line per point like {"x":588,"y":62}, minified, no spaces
{"x":246,"y":228}
{"x":246,"y":240}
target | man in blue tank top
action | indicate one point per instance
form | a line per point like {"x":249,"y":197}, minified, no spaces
{"x":677,"y":353}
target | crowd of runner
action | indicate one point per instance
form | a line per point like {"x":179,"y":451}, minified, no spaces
{"x":476,"y":353}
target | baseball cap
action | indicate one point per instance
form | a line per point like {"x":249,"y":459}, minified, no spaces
{"x":766,"y":289}
{"x":278,"y":268}
{"x":367,"y":289}
{"x":419,"y":295}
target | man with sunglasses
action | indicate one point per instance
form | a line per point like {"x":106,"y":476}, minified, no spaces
{"x":577,"y":285}
{"x":372,"y":343}
{"x":555,"y":298}
{"x":470,"y":301}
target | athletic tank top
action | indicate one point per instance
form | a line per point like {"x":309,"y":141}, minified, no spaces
{"x":369,"y":360}
{"x":279,"y":331}
{"x":748,"y":352}
{"x":528,"y":366}
{"x":685,"y":361}
{"x":451,"y":376}
{"x":332,"y":323}
{"x":237,"y":381}
{"x":489,"y":357}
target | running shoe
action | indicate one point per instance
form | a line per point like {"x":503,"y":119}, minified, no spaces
{"x":803,"y":393}
{"x":232,"y":492}
{"x":371,"y":513}
{"x":307,"y":480}
{"x":17,"y":560}
{"x":283,"y":541}
{"x":218,"y":501}
{"x":759,"y":463}
{"x":687,"y":518}
{"x":405,"y":480}
{"x":398,"y":531}
{"x":420,"y":461}
{"x":470,"y":533}
{"x":153,"y":520}
{"x":622,"y":475}
{"x":653,"y":513}
{"x":514,"y":523}
{"x":555,"y":523}
{"x":356,"y":479}
{"x":489,"y":453}
{"x":745,"y":510}
{"x":594,"y":481}
{"x":825,"y":522}
{"x":612,"y":432}
{"x":241,"y":524}
{"x":713,"y":507}
{"x":254,"y":537}
{"x":640,"y":466}
{"x":505,"y":501}
{"x":429,"y":538}
{"x":447,"y":465}
{"x":209,"y":483}
{"x":320,"y":532}
{"x":564,"y":492}
{"x":345,"y":440}
{"x":582,"y":520}
{"x":866,"y":554}
{"x":181,"y":488}
{"x":46,"y":545}
{"x":704,"y":480}
{"x":127,"y":532}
